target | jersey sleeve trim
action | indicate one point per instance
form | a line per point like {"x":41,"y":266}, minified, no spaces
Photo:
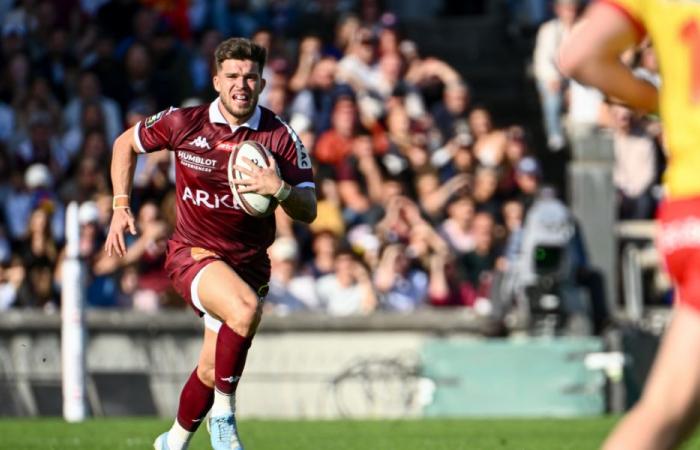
{"x":639,"y":29}
{"x":306,"y":184}
{"x":137,"y":139}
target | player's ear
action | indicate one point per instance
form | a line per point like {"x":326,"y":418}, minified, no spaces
{"x":217,"y":83}
{"x":263,"y":83}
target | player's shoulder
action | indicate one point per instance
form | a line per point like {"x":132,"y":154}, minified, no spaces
{"x":173,"y":115}
{"x":272,"y":123}
{"x":199,"y":112}
{"x":269,"y":120}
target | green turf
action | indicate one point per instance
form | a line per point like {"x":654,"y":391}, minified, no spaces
{"x":429,"y":434}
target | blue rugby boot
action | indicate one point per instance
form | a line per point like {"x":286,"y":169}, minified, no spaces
{"x":161,"y":442}
{"x":224,"y":434}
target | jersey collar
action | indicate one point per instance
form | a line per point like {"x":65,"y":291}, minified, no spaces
{"x":215,"y":116}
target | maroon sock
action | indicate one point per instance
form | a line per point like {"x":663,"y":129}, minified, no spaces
{"x":240,"y":365}
{"x":231,"y":352}
{"x":195,"y":402}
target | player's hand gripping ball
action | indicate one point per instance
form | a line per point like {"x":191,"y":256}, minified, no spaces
{"x":254,"y":204}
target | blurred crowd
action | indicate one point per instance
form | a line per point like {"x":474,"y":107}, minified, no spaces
{"x":637,"y":141}
{"x":422,"y":199}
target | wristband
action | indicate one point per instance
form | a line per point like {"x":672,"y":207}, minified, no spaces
{"x":283,"y":192}
{"x":121,"y":205}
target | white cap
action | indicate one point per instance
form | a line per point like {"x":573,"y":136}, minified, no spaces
{"x":284,"y":249}
{"x":88,"y":212}
{"x":38,"y":175}
{"x":362,"y":238}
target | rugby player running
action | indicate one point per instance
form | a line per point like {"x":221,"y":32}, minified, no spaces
{"x":217,"y":257}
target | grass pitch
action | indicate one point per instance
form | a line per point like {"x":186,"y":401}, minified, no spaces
{"x":428,"y":434}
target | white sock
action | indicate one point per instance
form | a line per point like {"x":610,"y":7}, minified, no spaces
{"x":223,"y":404}
{"x":178,"y":437}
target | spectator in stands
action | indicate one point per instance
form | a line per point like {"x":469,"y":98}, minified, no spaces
{"x":550,"y":82}
{"x":148,"y":253}
{"x":335,"y":144}
{"x":90,"y":92}
{"x":527,"y":177}
{"x":490,"y":149}
{"x":233,"y":17}
{"x":11,"y":279}
{"x":360,"y":182}
{"x":323,"y":17}
{"x":355,"y":67}
{"x":39,"y":244}
{"x":88,"y":179}
{"x":35,"y":189}
{"x":201,"y":66}
{"x":37,"y":289}
{"x":312,"y":107}
{"x":635,"y":166}
{"x":425,"y":72}
{"x":401,"y":287}
{"x":388,"y":34}
{"x":474,"y":268}
{"x":42,"y":146}
{"x":289,"y":291}
{"x":587,"y":111}
{"x":103,"y":62}
{"x":513,"y":213}
{"x":139,"y":82}
{"x":102,"y":287}
{"x":433,"y":196}
{"x":395,"y":226}
{"x":485,"y":190}
{"x":309,"y":55}
{"x":329,"y":208}
{"x":516,"y":148}
{"x":455,"y":157}
{"x":324,"y":245}
{"x":38,"y":99}
{"x":348,"y":290}
{"x":450,"y":114}
{"x":7,"y":123}
{"x":480,"y":122}
{"x":456,"y":229}
{"x":15,"y":78}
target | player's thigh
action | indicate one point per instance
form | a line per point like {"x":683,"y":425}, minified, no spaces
{"x":224,"y":294}
{"x":207,"y":355}
{"x":674,"y":382}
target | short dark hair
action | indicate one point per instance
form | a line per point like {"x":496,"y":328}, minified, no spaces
{"x":241,"y":49}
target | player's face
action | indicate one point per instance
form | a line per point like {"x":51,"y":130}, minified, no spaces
{"x":239,"y":83}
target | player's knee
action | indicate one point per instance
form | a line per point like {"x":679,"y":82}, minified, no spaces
{"x":245,"y":317}
{"x":206,"y":374}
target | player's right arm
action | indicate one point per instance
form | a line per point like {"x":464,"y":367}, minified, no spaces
{"x":591,"y":55}
{"x":122,"y":172}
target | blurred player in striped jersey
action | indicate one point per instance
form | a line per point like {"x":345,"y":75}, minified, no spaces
{"x":669,"y":408}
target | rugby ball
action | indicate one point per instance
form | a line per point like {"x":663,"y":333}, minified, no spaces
{"x":253,"y":204}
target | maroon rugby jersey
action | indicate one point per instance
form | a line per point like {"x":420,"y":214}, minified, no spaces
{"x":207,"y":214}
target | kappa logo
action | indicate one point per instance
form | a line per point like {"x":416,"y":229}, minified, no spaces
{"x":201,"y":142}
{"x":232,"y":379}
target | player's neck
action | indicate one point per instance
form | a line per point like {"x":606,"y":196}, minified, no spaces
{"x":233,"y":120}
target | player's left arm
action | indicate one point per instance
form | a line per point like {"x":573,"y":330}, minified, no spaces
{"x":591,"y":55}
{"x":299,"y":202}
